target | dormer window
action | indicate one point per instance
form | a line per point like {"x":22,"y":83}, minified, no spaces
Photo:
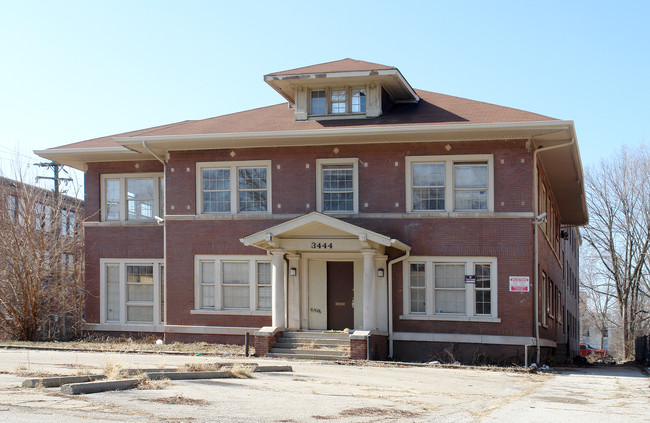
{"x":358,"y":100}
{"x":318,"y":103}
{"x":338,"y":101}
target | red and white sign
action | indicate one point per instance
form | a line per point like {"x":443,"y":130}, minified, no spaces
{"x":519,"y":283}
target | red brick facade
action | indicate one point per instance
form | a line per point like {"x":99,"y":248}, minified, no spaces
{"x":177,"y":258}
{"x":381,"y":185}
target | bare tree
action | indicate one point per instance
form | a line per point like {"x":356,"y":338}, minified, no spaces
{"x":618,"y":192}
{"x":41,"y":263}
{"x":597,"y":297}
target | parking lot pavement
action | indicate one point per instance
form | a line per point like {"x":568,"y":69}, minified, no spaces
{"x":314,"y":392}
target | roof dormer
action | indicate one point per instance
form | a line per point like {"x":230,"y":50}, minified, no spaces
{"x":344,"y":89}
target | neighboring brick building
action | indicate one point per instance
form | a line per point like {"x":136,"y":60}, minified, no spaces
{"x":407,"y":215}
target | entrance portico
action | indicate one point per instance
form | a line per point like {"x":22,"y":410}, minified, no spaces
{"x":310,"y":281}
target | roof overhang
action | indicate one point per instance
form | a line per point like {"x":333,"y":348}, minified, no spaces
{"x":295,"y":235}
{"x":562,"y":165}
{"x":563,"y":169}
{"x":391,"y":80}
{"x":554,"y":131}
{"x":79,"y":157}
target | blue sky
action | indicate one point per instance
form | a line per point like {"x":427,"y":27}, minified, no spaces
{"x":75,"y":70}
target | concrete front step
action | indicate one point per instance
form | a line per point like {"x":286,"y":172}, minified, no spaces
{"x":312,"y":346}
{"x":308,"y":356}
{"x":286,"y":343}
{"x":316,"y":351}
{"x":316,"y":334}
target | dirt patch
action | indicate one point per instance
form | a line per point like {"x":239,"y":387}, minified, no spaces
{"x":179,"y":400}
{"x":147,"y":344}
{"x":564,"y":400}
{"x":378,"y":412}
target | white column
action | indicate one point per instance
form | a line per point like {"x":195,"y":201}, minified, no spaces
{"x":293,"y":292}
{"x":369,"y":290}
{"x":278,"y":319}
{"x":304,"y":293}
{"x":382,"y":293}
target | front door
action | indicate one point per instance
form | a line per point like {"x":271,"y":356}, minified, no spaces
{"x":340,"y":293}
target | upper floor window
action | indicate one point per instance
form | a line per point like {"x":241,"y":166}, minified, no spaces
{"x":132,"y":197}
{"x":450,"y":183}
{"x":337,"y":101}
{"x":450,"y":286}
{"x":234,"y":187}
{"x":338,"y":188}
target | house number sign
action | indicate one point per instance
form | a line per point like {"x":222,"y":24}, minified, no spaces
{"x":322,"y":246}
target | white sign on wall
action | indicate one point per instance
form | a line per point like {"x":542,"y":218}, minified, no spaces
{"x":519,"y":283}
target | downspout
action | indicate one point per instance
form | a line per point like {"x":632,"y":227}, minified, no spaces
{"x":390,"y":299}
{"x":536,"y":239}
{"x":164,"y":225}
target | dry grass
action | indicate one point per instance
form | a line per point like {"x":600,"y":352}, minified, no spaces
{"x":201,"y":367}
{"x":125,"y":344}
{"x":153,"y":384}
{"x":179,"y":400}
{"x":114,"y":371}
{"x":242,"y":371}
{"x":36,"y":373}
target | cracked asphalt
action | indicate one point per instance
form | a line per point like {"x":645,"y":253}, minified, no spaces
{"x":316,"y":392}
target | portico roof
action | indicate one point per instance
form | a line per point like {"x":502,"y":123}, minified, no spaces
{"x":317,"y":224}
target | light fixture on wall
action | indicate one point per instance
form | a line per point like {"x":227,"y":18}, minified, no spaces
{"x":292,"y":271}
{"x":380,"y":273}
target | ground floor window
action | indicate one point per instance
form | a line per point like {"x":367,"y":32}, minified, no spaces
{"x":131,"y":291}
{"x":232,"y":283}
{"x":450,"y":286}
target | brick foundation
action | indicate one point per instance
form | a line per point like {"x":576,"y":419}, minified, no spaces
{"x":265,"y":339}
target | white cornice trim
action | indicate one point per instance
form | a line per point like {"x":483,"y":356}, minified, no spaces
{"x":557,"y":125}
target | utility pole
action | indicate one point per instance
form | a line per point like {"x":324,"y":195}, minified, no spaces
{"x":56,"y":224}
{"x":56,"y":178}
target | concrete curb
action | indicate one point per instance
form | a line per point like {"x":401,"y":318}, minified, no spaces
{"x":74,"y":385}
{"x":54,"y":382}
{"x":189,"y":375}
{"x":264,"y":369}
{"x":93,"y":387}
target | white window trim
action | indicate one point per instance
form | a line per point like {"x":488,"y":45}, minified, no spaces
{"x":328,"y":100}
{"x":218,"y":298}
{"x":234,"y":198}
{"x":449,"y":180}
{"x":122,"y":263}
{"x":158,"y":179}
{"x":470,"y":293}
{"x":320,"y":164}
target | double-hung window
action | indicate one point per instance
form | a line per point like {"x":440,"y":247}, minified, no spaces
{"x":132,"y":197}
{"x":450,"y":288}
{"x":338,"y":187}
{"x":229,"y":187}
{"x":131,"y":291}
{"x":450,"y":183}
{"x":337,"y":101}
{"x":232,"y":284}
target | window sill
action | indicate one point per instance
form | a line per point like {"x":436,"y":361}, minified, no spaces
{"x":433,"y":213}
{"x":125,"y":327}
{"x":451,"y":318}
{"x":233,"y":312}
{"x":234,"y":216}
{"x":121,"y":223}
{"x":338,"y":116}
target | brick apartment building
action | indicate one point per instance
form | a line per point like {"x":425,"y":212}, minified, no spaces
{"x":422,"y":222}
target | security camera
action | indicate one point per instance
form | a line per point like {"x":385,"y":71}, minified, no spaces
{"x":159,"y":220}
{"x":541,"y":218}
